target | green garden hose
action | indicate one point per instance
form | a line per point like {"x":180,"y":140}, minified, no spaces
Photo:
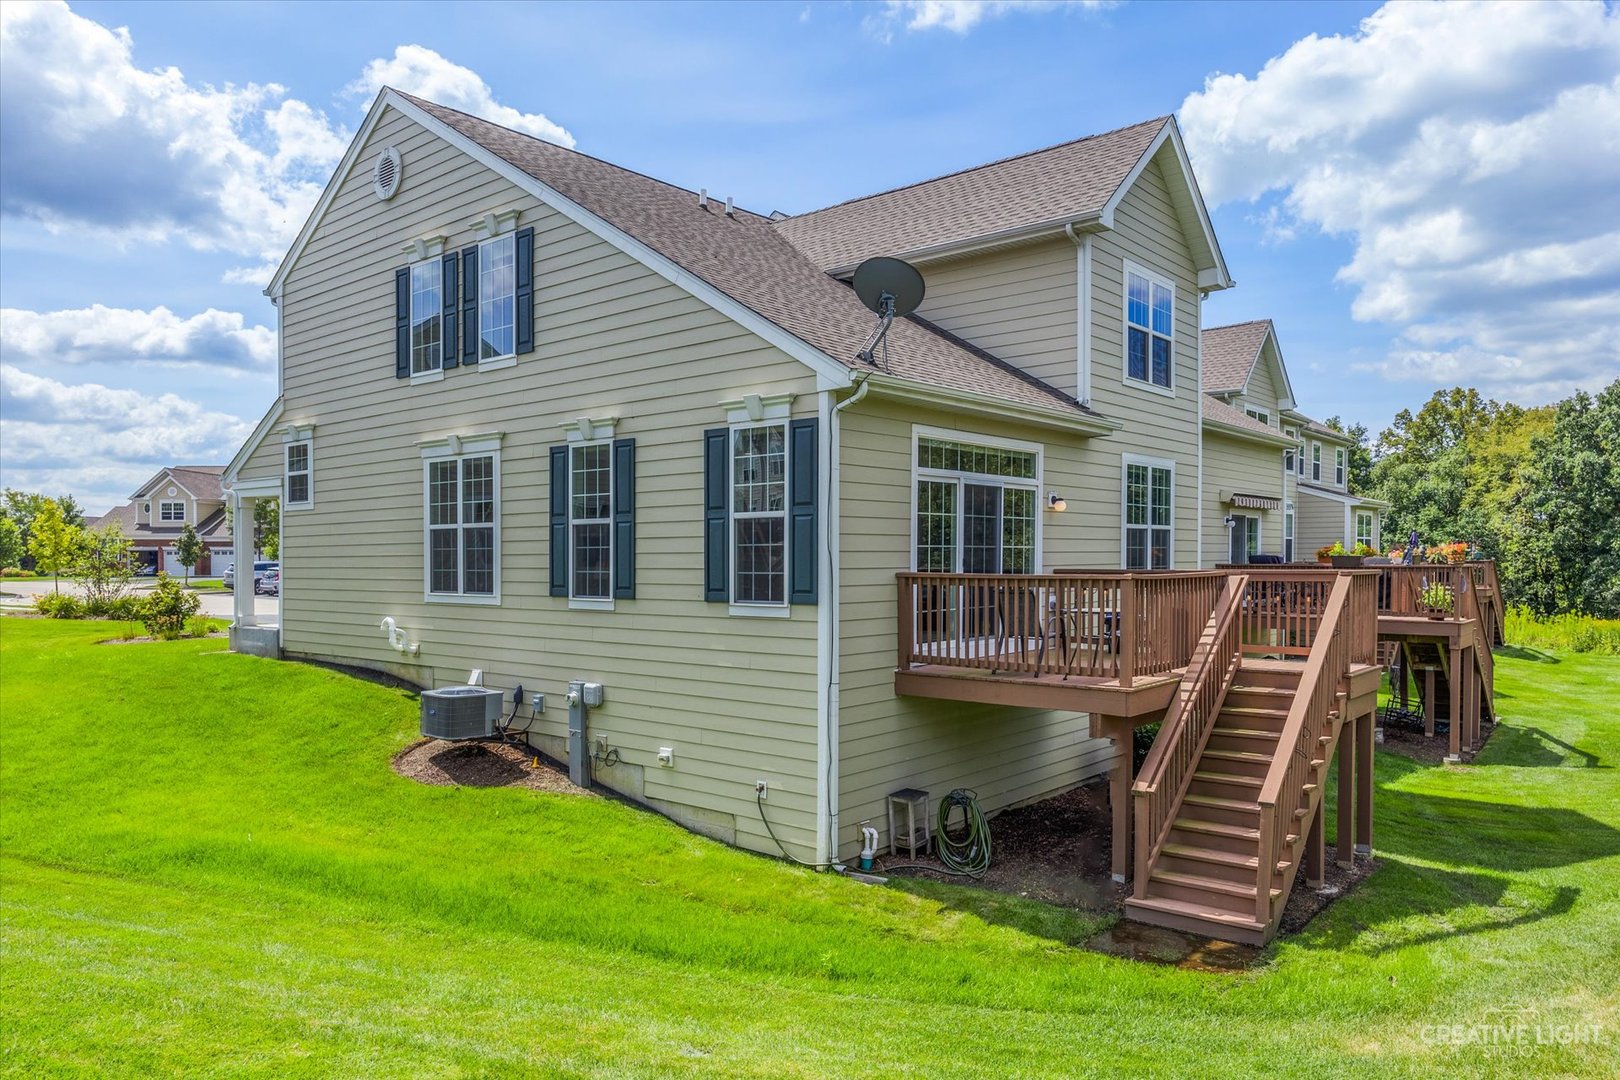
{"x":970,"y":854}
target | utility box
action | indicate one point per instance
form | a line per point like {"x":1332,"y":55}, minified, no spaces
{"x":461,"y":712}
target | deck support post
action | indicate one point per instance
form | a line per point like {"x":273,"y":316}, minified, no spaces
{"x":1344,"y":813}
{"x":1315,"y":857}
{"x":1454,"y":696}
{"x":1120,"y":729}
{"x":1472,"y":705}
{"x":1428,"y":702}
{"x":1364,"y":785}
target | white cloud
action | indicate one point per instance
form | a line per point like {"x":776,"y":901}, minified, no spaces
{"x":212,"y":338}
{"x":960,"y":16}
{"x":1471,"y":154}
{"x":89,"y":141}
{"x":99,"y":443}
{"x":424,"y":73}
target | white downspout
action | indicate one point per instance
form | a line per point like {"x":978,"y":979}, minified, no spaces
{"x":1082,"y":330}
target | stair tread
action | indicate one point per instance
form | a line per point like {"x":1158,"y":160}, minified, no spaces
{"x":1248,"y":733}
{"x":1211,"y":855}
{"x":1228,"y":778}
{"x":1251,"y":710}
{"x":1208,"y":884}
{"x":1216,"y":828}
{"x":1260,"y":688}
{"x":1195,"y":911}
{"x":1219,"y":803}
{"x":1238,"y":755}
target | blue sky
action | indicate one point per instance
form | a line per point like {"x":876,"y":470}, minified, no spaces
{"x":1420,"y":196}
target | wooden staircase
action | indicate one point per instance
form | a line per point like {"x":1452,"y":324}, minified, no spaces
{"x":1205,"y":878}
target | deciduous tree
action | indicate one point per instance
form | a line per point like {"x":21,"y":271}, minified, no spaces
{"x":53,"y":542}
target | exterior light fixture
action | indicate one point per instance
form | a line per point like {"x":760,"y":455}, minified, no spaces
{"x":1054,"y":501}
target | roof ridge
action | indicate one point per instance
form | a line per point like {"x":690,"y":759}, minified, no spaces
{"x":982,"y":165}
{"x":566,"y":149}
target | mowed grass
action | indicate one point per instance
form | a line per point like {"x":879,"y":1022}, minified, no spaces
{"x":209,"y":869}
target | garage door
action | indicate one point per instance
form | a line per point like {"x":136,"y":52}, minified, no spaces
{"x":171,"y":563}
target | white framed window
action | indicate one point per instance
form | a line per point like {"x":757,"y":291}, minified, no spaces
{"x":1147,"y":497}
{"x":1364,"y":528}
{"x":461,"y":526}
{"x":1316,"y":461}
{"x":1150,"y":306}
{"x":497,"y":298}
{"x":427,"y":317}
{"x":299,"y":482}
{"x":1288,"y":532}
{"x":590,"y":522}
{"x":975,"y":504}
{"x":171,"y":511}
{"x":1251,"y":534}
{"x":1259,"y":414}
{"x":1338,"y":467}
{"x":758,"y":478}
{"x":1291,"y":456}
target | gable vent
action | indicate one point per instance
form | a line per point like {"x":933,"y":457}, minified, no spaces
{"x":385,"y":175}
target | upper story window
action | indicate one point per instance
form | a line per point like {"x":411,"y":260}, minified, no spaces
{"x":497,"y":298}
{"x":462,"y":515}
{"x":1316,"y":461}
{"x":975,"y":507}
{"x":1259,"y":414}
{"x":171,"y":511}
{"x":1291,"y":457}
{"x":1338,"y":467}
{"x":299,"y":475}
{"x":1149,"y":514}
{"x":1149,"y":328}
{"x":427,"y":317}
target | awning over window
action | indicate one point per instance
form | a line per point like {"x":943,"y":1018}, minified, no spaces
{"x":1250,"y":502}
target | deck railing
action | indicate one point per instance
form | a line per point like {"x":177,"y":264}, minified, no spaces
{"x":1095,"y":624}
{"x":1309,"y":718}
{"x":1170,"y":763}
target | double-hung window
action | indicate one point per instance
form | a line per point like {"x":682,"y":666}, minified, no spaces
{"x":1338,"y":467}
{"x":1149,"y":328}
{"x":497,"y":298}
{"x":1149,"y":514}
{"x":299,"y":473}
{"x":759,"y":472}
{"x":1316,"y":461}
{"x":1259,"y":414}
{"x":1364,"y":529}
{"x":1251,"y":535}
{"x":427,"y":317}
{"x":171,"y":511}
{"x":590,"y":521}
{"x":975,"y":507}
{"x":1291,"y":455}
{"x":463,"y":527}
{"x":1288,"y":532}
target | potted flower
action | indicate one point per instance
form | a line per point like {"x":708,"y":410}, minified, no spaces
{"x":1325,"y":555}
{"x":1438,"y":600}
{"x":1348,"y":560}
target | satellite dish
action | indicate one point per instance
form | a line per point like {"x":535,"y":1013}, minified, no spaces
{"x":881,"y":282}
{"x":888,"y":287}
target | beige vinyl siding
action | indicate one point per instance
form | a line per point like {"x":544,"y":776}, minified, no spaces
{"x":735,"y":698}
{"x":1008,"y":756}
{"x":1149,"y":234}
{"x":1263,"y":388}
{"x":1320,"y":523}
{"x":1019,"y":304}
{"x":1230,"y":465}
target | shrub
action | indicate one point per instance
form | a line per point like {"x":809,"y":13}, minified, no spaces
{"x":59,"y":606}
{"x":167,"y":608}
{"x":199,"y":626}
{"x":15,"y":571}
{"x":117,"y":607}
{"x":1577,"y":633}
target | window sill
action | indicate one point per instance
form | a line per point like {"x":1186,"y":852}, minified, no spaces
{"x":496,"y":364}
{"x":456,"y":598}
{"x":427,"y":376}
{"x":286,"y":506}
{"x":761,"y":611}
{"x":580,"y":603}
{"x":1151,"y":387}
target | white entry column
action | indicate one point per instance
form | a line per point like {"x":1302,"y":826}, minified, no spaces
{"x":242,"y":547}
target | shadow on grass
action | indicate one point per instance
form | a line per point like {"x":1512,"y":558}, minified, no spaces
{"x":1522,"y":652}
{"x":1067,"y":926}
{"x":1533,"y":747}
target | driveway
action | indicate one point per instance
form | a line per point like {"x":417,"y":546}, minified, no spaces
{"x":215,"y":604}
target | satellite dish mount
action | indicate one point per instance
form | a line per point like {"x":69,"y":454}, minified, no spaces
{"x":889,"y":288}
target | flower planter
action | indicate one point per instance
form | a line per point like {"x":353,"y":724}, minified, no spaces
{"x":1347,"y":562}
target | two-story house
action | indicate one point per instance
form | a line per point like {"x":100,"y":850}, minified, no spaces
{"x":159,"y":511}
{"x":1329,"y":513}
{"x":559,"y":420}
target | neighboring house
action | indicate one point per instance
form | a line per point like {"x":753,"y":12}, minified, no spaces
{"x":1275,"y":481}
{"x":160,"y":510}
{"x":559,"y":420}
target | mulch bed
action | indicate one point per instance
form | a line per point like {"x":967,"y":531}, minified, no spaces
{"x":481,"y":763}
{"x":1429,"y":750}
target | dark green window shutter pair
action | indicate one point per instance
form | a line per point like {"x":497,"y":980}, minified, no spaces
{"x":803,"y":503}
{"x":624,"y":520}
{"x":459,"y":296}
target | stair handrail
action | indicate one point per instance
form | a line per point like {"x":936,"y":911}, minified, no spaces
{"x":1325,"y":669}
{"x":1166,"y":773}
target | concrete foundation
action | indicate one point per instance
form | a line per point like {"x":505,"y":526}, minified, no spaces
{"x":257,"y":641}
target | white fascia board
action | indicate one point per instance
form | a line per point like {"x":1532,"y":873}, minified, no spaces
{"x":1210,"y":278}
{"x":1285,"y":400}
{"x":994,"y":407}
{"x":1344,"y":498}
{"x":260,"y":431}
{"x":825,"y":367}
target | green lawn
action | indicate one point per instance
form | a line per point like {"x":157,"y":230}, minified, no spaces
{"x":208,"y":869}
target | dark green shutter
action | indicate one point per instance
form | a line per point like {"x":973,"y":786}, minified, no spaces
{"x":402,"y":323}
{"x":450,"y":304}
{"x":803,"y":543}
{"x":559,"y":521}
{"x":716,"y":511}
{"x":624,"y":519}
{"x":524,"y":301}
{"x":469,"y":305}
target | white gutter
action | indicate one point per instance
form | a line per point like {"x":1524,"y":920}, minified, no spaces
{"x":1082,"y":329}
{"x":953,"y":400}
{"x":957,"y":248}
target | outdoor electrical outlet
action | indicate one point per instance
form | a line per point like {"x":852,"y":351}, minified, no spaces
{"x":537,"y":704}
{"x":666,"y":756}
{"x":762,"y":789}
{"x":601,"y":746}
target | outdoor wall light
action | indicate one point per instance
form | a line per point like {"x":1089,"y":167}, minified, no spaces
{"x":1054,"y":501}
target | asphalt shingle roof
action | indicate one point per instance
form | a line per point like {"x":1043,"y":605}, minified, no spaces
{"x":1229,"y":353}
{"x":1051,"y":186}
{"x":1222,"y":413}
{"x":747,"y":259}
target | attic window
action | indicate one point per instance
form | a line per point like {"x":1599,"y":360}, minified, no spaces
{"x":386,"y":173}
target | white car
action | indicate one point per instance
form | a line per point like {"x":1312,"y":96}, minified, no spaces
{"x":228,"y":579}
